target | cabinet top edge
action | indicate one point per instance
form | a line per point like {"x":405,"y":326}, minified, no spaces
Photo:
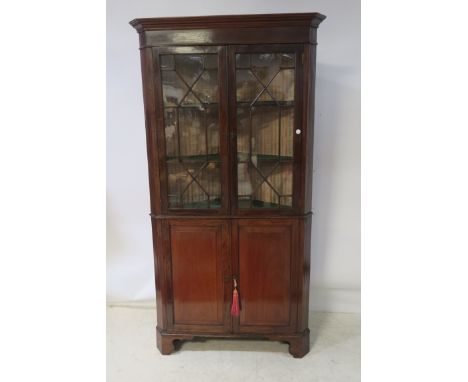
{"x":311,"y":20}
{"x":273,"y":216}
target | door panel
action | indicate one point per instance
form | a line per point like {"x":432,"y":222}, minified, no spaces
{"x":265,"y":265}
{"x":199,"y":267}
{"x":193,"y":139}
{"x":265,"y":113}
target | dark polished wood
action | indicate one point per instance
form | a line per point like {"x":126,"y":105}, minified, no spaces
{"x":152,"y":119}
{"x":230,"y":29}
{"x":198,"y":277}
{"x":311,"y":20}
{"x":308,"y":121}
{"x":267,"y":254}
{"x":199,"y":251}
{"x":278,"y":35}
{"x":299,"y":343}
{"x":303,"y":271}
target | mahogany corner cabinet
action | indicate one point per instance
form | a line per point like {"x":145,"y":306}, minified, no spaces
{"x":229,"y":113}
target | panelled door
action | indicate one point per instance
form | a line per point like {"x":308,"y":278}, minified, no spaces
{"x":197,"y":267}
{"x":190,"y":83}
{"x":264,"y":264}
{"x":265,"y":93}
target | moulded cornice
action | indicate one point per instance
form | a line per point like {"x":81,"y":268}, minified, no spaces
{"x":311,"y":20}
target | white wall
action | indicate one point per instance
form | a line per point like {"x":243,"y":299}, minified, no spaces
{"x":335,"y":258}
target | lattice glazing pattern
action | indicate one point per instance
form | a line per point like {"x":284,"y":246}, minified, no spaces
{"x":191,"y":119}
{"x":265,"y":128}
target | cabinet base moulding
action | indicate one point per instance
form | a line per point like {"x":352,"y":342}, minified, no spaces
{"x":299,"y":343}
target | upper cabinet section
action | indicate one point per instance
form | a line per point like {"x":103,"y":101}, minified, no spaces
{"x":221,"y":30}
{"x":229,"y":113}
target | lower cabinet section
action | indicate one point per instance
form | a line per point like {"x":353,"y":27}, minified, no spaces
{"x":196,"y":267}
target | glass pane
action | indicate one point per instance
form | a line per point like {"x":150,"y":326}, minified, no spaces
{"x":267,"y":167}
{"x":265,"y":66}
{"x":211,"y":61}
{"x":178,"y":180}
{"x":191,"y":120}
{"x":287,"y":132}
{"x":184,"y":189}
{"x":212,"y":125}
{"x":282,"y":87}
{"x":209,"y":180}
{"x":266,"y":97}
{"x":174,"y":89}
{"x":243,"y":135}
{"x":265,"y":197}
{"x":206,"y":87}
{"x":191,"y":100}
{"x":170,"y":130}
{"x":189,"y":67}
{"x":281,"y":178}
{"x":248,"y":179}
{"x":167,"y":62}
{"x":242,"y":60}
{"x":194,"y":197}
{"x":247,"y":86}
{"x":192,"y":133}
{"x":287,"y":60}
{"x":265,"y":129}
{"x":286,"y":201}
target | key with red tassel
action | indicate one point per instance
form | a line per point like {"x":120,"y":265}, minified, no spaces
{"x":235,"y":308}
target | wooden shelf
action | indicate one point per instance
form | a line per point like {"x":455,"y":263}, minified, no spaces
{"x":267,"y":157}
{"x":260,"y":204}
{"x":216,"y":158}
{"x":203,"y":204}
{"x":266,"y":103}
{"x":194,"y":158}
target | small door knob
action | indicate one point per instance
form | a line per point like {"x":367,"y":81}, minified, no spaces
{"x":298,"y":131}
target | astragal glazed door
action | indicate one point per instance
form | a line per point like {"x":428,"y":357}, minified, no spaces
{"x":193,"y":155}
{"x":265,"y":115}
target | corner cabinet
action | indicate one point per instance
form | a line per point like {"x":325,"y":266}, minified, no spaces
{"x":229,"y":113}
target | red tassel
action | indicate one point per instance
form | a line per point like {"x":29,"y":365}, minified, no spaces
{"x":235,"y":309}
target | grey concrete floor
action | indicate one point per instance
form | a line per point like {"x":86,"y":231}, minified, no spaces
{"x":132,"y":355}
